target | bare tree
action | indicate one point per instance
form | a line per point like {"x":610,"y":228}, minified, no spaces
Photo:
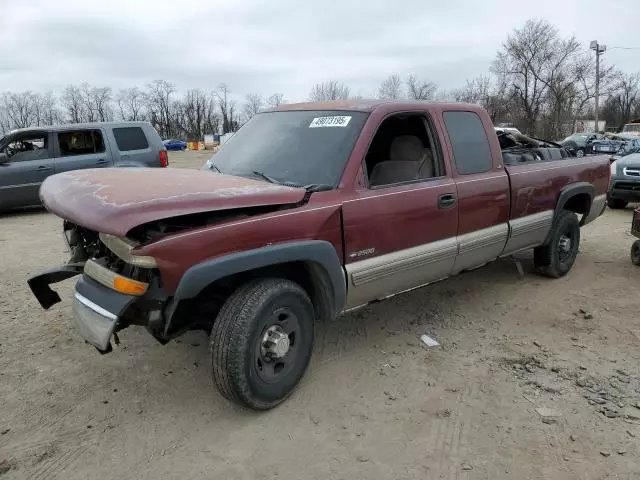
{"x":193,"y":112}
{"x":624,"y":103}
{"x":158,"y":100}
{"x":391,"y":88}
{"x":275,"y":100}
{"x":20,"y":109}
{"x":227,"y":109}
{"x":73,"y":103}
{"x":131,"y":104}
{"x":526,"y":58}
{"x":253,"y":104}
{"x":48,"y":111}
{"x":420,"y":89}
{"x":330,"y":90}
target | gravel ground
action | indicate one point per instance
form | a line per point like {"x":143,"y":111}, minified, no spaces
{"x":534,"y":378}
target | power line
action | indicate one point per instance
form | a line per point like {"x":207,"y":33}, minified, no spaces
{"x":625,"y":48}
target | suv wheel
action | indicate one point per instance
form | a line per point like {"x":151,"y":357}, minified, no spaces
{"x":616,"y":203}
{"x":556,"y":258}
{"x":261,"y":342}
{"x":635,"y":253}
{"x":580,"y":152}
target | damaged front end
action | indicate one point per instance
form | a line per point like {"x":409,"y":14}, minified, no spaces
{"x":117,"y":288}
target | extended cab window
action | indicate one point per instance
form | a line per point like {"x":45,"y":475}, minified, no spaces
{"x":308,"y":147}
{"x":80,"y":142}
{"x":130,"y":138}
{"x":403,"y":150}
{"x":469,"y":141}
{"x":29,"y":146}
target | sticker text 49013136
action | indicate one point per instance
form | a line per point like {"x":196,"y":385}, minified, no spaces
{"x":335,"y":121}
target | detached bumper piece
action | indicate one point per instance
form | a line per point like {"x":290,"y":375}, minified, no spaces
{"x":97,"y":309}
{"x":39,"y":284}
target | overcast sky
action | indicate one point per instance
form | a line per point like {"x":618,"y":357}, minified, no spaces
{"x":282,"y":45}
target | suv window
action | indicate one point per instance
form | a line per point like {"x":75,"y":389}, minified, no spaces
{"x":27,"y":147}
{"x":130,"y":138}
{"x":80,"y":142}
{"x":471,"y":151}
{"x":403,"y":150}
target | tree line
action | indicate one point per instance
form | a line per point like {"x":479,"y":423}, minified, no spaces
{"x":539,"y":81}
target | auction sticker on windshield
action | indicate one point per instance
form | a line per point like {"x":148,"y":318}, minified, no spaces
{"x":335,"y":121}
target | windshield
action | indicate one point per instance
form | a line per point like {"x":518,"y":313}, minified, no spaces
{"x":631,"y":127}
{"x":299,"y":147}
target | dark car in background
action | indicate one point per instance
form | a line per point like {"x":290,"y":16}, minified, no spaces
{"x":175,"y":145}
{"x":28,"y":156}
{"x":580,"y":144}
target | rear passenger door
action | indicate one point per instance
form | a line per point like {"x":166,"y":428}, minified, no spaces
{"x":483,"y":189}
{"x":80,"y":149}
{"x":133,"y":147}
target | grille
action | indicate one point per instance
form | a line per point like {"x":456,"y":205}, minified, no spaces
{"x":629,"y":186}
{"x":631,"y":172}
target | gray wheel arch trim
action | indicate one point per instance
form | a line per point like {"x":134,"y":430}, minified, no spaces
{"x":573,"y":190}
{"x":319,"y":252}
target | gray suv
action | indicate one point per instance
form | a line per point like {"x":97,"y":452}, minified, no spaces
{"x":625,"y":181}
{"x":28,"y":156}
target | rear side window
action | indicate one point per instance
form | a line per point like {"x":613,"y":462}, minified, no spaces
{"x":80,"y":142}
{"x":469,"y":141}
{"x":130,"y":138}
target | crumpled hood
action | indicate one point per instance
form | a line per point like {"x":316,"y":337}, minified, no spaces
{"x":115,"y":200}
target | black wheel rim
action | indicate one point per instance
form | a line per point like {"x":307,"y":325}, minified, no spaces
{"x":271,"y":362}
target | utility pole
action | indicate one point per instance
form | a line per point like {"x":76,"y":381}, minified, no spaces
{"x":599,"y":49}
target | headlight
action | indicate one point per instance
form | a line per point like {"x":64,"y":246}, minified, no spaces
{"x":122,"y":247}
{"x":613,"y":167}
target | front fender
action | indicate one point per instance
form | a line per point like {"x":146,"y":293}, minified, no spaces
{"x":317,"y":252}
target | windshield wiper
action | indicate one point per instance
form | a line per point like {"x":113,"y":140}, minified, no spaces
{"x":213,"y":166}
{"x":266,"y":177}
{"x":317,"y":187}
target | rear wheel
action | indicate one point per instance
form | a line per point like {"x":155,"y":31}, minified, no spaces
{"x":580,"y":152}
{"x":261,"y":342}
{"x":616,"y":203}
{"x":556,"y":258}
{"x":635,"y":253}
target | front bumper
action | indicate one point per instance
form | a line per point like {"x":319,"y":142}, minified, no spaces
{"x":625,"y":189}
{"x":97,"y":310}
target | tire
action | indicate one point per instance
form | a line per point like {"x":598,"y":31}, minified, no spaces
{"x":556,"y":258}
{"x":580,"y":152}
{"x":635,"y":253}
{"x":616,"y":203}
{"x":248,"y":360}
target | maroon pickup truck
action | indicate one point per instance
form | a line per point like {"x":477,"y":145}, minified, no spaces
{"x":308,"y":211}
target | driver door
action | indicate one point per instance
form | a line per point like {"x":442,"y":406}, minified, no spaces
{"x":29,"y":161}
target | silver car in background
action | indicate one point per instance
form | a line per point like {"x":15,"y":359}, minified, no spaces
{"x":28,"y":156}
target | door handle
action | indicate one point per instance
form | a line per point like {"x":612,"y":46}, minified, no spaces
{"x":43,"y":168}
{"x":447,"y":200}
{"x":102,"y":161}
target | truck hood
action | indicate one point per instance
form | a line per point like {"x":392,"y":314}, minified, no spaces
{"x":115,"y":200}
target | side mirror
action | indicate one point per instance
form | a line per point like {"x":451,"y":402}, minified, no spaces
{"x":4,"y":158}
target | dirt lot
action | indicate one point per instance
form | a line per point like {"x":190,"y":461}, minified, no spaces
{"x":375,"y":403}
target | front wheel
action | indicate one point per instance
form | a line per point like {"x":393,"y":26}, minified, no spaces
{"x":635,"y":253}
{"x":580,"y":152}
{"x":556,"y":258}
{"x":261,"y":342}
{"x":616,"y":203}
